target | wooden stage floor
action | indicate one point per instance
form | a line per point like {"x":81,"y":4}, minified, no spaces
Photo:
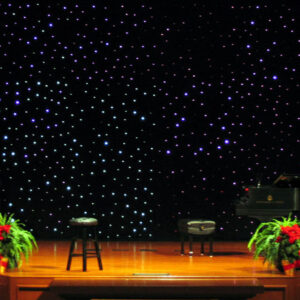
{"x":146,"y":260}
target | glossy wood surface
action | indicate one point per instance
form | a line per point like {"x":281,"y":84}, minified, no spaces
{"x":146,"y":259}
{"x":147,"y":268}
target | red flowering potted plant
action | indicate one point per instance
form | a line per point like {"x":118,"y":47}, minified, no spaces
{"x":16,"y":242}
{"x":289,"y":247}
{"x":278,"y":242}
{"x":4,"y":231}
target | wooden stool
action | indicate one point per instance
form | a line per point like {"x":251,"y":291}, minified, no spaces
{"x":84,"y":224}
{"x":200,"y":227}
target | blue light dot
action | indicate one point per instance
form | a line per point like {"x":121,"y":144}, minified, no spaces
{"x":275,"y":77}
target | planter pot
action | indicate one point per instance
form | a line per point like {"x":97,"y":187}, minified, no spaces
{"x":3,"y":264}
{"x":288,"y":268}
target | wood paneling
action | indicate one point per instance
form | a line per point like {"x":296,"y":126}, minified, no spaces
{"x":4,"y":287}
{"x":273,"y":293}
{"x":297,"y":289}
{"x":159,"y":288}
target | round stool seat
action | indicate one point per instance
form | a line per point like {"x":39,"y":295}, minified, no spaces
{"x":83,"y":221}
{"x":197,"y":226}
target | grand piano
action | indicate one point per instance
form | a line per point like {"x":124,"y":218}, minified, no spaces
{"x":265,"y":202}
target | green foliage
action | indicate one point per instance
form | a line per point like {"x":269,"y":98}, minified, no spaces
{"x":18,"y":243}
{"x":289,"y":251}
{"x":264,"y":240}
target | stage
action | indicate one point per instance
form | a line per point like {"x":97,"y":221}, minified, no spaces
{"x":148,"y":270}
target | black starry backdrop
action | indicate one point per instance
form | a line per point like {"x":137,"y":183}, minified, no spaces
{"x":144,"y":112}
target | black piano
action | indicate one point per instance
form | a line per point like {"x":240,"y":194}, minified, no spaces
{"x":266,"y":202}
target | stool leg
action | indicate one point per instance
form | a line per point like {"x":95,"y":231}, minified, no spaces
{"x":84,"y":237}
{"x":211,"y":239}
{"x":71,"y":253}
{"x":182,"y":244}
{"x":202,"y":245}
{"x":191,"y":244}
{"x":97,"y":250}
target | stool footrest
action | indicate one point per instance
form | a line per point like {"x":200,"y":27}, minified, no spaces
{"x":92,"y":250}
{"x":79,"y":255}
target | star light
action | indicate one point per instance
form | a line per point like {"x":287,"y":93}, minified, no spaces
{"x":135,"y":113}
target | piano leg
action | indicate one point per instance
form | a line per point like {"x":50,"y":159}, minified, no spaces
{"x":202,"y":245}
{"x":191,"y":244}
{"x":211,"y":240}
{"x":182,"y":244}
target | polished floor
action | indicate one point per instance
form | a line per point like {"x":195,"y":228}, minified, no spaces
{"x":231,"y":259}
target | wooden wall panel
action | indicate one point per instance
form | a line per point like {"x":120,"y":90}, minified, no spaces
{"x":35,"y":292}
{"x":273,"y":293}
{"x":4,"y":288}
{"x":297,"y":289}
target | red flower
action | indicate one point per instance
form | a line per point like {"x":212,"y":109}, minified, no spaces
{"x":4,"y":228}
{"x":293,"y":232}
{"x":279,"y":239}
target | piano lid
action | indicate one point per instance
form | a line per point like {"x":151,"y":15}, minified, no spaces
{"x":278,"y":199}
{"x":287,"y":181}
